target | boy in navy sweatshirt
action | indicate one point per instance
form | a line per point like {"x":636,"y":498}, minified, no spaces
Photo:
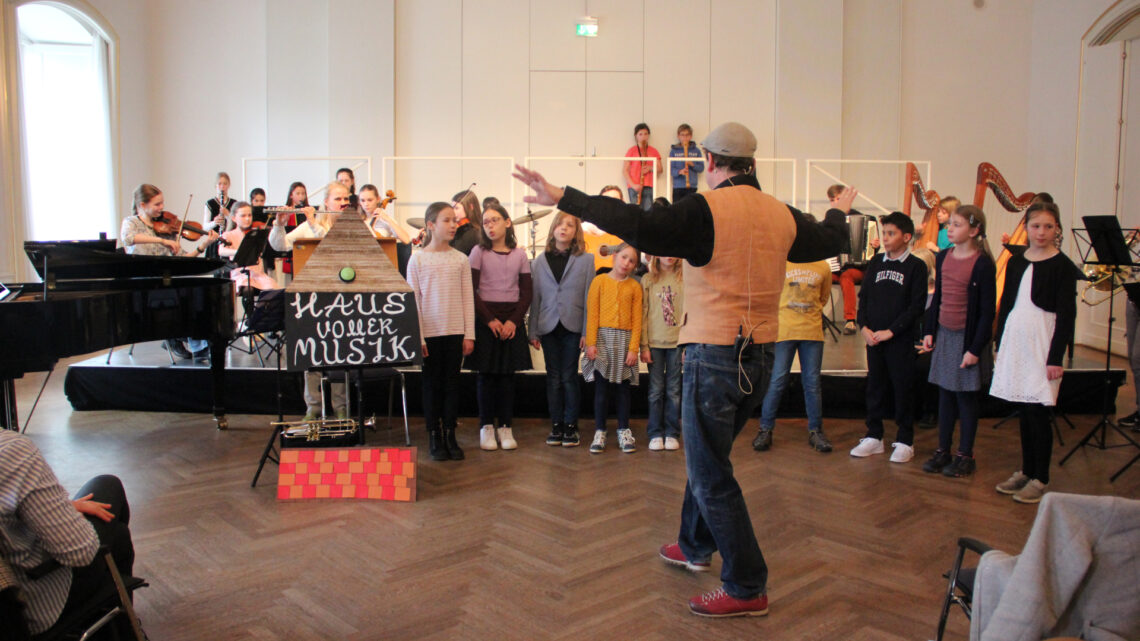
{"x":891,"y":301}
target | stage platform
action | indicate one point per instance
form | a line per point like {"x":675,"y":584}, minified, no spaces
{"x":146,"y":381}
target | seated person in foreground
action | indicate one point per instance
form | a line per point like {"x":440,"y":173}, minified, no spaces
{"x":50,"y":542}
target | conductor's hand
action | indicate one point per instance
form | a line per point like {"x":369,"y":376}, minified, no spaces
{"x":843,"y":201}
{"x":544,"y":192}
{"x":84,"y":505}
{"x":468,"y":346}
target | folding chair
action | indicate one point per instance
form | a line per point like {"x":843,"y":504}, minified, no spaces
{"x":960,"y":586}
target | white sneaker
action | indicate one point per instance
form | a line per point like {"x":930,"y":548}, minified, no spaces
{"x":506,"y":438}
{"x":672,"y":444}
{"x":902,"y":453}
{"x":656,"y":444}
{"x":867,"y":446}
{"x":487,"y":438}
{"x":599,"y":444}
{"x":625,"y":440}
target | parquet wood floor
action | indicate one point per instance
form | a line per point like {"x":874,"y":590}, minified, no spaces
{"x":539,"y":543}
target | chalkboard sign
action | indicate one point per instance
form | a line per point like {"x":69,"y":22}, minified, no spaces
{"x":351,"y":329}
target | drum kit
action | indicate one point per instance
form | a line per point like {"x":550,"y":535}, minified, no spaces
{"x":528,"y":217}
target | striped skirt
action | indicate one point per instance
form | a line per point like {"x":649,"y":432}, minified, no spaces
{"x":613,"y":345}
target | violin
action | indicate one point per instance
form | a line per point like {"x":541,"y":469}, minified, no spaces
{"x":168,"y":223}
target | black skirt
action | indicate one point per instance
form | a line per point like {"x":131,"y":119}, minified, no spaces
{"x":494,"y":356}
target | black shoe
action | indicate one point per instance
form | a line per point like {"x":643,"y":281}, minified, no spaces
{"x":962,"y":466}
{"x":937,"y":462}
{"x":436,"y":446}
{"x":928,"y":422}
{"x":555,"y":437}
{"x":763,"y":440}
{"x":818,"y":441}
{"x":176,"y":347}
{"x":454,"y":452}
{"x":1130,"y":421}
{"x":570,"y":436}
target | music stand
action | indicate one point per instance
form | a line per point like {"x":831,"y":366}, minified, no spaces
{"x":1104,"y":237}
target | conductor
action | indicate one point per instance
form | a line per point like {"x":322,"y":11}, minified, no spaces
{"x":734,"y":240}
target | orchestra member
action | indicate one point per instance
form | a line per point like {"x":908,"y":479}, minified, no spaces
{"x":217,"y":210}
{"x":257,"y":197}
{"x":298,"y":199}
{"x":346,"y":177}
{"x":231,"y":241}
{"x":639,"y":173}
{"x":139,"y":237}
{"x":378,"y":220}
{"x":470,"y":220}
{"x":316,"y":225}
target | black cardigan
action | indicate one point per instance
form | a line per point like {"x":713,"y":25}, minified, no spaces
{"x":980,"y":297}
{"x":1054,"y":289}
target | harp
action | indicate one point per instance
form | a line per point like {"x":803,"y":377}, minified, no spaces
{"x":990,"y":178}
{"x":928,"y":201}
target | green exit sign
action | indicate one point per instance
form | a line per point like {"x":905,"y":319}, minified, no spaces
{"x":587,"y":27}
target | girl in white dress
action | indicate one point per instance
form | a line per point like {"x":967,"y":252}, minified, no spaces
{"x":1035,"y":323}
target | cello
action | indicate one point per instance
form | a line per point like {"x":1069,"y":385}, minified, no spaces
{"x":928,"y":201}
{"x":989,"y":177}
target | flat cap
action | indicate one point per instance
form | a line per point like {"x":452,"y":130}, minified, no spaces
{"x":731,"y":139}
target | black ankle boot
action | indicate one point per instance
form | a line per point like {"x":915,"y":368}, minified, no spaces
{"x":436,"y":447}
{"x":453,"y":449}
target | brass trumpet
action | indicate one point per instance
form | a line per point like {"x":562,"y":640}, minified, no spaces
{"x":318,"y":429}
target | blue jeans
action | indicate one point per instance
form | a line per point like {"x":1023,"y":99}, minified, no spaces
{"x":646,"y":197}
{"x":714,"y":409}
{"x":664,"y":392}
{"x":811,"y":359}
{"x":560,"y":348}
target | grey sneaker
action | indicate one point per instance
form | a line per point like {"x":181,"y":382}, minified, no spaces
{"x":1031,"y":493}
{"x":818,"y":441}
{"x":625,"y":441}
{"x":1012,"y":484}
{"x":763,"y":440}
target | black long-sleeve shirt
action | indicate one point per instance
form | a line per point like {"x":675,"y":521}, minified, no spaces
{"x":685,"y":228}
{"x":893,"y":295}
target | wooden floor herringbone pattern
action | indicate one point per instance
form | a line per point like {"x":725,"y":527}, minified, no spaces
{"x":539,"y":543}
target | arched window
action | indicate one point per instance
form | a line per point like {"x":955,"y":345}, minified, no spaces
{"x":65,"y":123}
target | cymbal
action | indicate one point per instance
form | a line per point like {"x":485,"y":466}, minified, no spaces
{"x":417,"y":222}
{"x":531,"y":216}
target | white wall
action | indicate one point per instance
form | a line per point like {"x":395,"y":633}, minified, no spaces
{"x":204,"y":84}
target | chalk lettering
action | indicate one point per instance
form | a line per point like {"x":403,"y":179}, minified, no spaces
{"x":371,"y":305}
{"x":357,"y":355}
{"x":300,"y":308}
{"x":305,"y":347}
{"x":395,"y":304}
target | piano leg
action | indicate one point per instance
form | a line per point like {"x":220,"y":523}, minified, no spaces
{"x":218,"y":376}
{"x":8,"y":418}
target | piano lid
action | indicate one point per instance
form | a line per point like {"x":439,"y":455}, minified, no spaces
{"x":92,"y":259}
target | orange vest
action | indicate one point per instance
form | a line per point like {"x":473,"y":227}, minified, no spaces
{"x":741,"y":285}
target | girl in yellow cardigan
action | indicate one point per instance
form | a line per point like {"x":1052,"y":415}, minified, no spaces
{"x":613,"y":336}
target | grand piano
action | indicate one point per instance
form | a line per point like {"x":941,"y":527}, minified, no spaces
{"x":92,"y":297}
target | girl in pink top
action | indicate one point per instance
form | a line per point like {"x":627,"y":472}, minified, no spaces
{"x":502,"y":283}
{"x":639,"y":174}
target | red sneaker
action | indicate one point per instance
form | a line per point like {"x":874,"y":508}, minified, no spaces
{"x":718,"y":603}
{"x":671,"y":553}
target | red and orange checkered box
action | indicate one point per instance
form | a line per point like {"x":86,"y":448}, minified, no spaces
{"x":387,"y":474}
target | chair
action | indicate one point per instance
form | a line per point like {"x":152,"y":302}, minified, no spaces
{"x":1075,"y":576}
{"x":106,"y":605}
{"x":392,"y":375}
{"x":960,"y":588}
